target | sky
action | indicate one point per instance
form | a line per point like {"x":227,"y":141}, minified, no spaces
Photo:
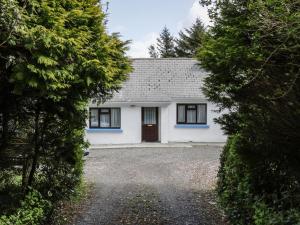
{"x":141,"y":21}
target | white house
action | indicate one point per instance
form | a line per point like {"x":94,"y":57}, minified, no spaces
{"x":161,"y":101}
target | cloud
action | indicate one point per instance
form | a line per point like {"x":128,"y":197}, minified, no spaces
{"x":196,"y":11}
{"x":139,"y":49}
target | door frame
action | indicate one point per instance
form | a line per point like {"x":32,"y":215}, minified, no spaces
{"x":157,"y":123}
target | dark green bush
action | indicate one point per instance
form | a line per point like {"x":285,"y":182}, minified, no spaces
{"x":48,"y":75}
{"x":252,"y":56}
{"x":249,"y":196}
{"x":265,"y":215}
{"x":32,"y":211}
{"x":233,"y":184}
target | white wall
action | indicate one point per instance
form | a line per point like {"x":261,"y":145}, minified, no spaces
{"x":211,"y":134}
{"x":130,"y":126}
{"x":164,"y":124}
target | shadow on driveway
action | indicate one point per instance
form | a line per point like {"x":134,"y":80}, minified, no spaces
{"x":153,"y":186}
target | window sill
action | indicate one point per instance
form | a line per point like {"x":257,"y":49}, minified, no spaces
{"x":192,"y":126}
{"x":104,"y":130}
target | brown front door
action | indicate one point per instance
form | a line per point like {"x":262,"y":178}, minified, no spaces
{"x":150,"y":124}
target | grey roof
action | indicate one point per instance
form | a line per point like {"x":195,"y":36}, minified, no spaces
{"x":162,"y":80}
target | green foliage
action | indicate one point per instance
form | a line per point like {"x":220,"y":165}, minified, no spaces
{"x":10,"y":182}
{"x":233,"y":183}
{"x":252,"y":55}
{"x":165,"y":46}
{"x":54,"y":57}
{"x":264,"y":215}
{"x":243,"y":191}
{"x":32,"y":211}
{"x":152,"y":51}
{"x":187,"y":45}
{"x":10,"y":21}
{"x":190,"y":40}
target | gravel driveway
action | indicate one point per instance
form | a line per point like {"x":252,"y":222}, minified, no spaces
{"x":145,"y":186}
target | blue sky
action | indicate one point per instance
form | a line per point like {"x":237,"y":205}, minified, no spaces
{"x":142,"y":20}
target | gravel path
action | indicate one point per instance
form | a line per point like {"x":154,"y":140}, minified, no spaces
{"x":159,"y":186}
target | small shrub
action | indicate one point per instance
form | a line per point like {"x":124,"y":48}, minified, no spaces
{"x":32,"y":211}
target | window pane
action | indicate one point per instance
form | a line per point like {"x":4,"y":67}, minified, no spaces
{"x":94,"y":118}
{"x":149,"y":115}
{"x":104,"y":120}
{"x":181,"y":114}
{"x":115,"y":118}
{"x":191,"y":116}
{"x":201,"y":117}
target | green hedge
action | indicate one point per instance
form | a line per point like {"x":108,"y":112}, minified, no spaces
{"x":247,"y":200}
{"x":264,"y":215}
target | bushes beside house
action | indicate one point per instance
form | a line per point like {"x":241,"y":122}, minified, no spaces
{"x":54,"y":57}
{"x":252,"y":55}
{"x":240,"y":189}
{"x":33,"y":210}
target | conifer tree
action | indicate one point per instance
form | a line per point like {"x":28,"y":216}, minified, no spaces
{"x":54,"y":57}
{"x":252,"y":54}
{"x":190,"y":40}
{"x":166,"y":44}
{"x":152,"y":51}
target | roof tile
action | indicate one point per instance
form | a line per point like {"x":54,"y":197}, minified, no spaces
{"x":157,"y":80}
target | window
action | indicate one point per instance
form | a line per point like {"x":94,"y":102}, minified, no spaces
{"x":191,"y":113}
{"x":105,"y":117}
{"x":149,"y":115}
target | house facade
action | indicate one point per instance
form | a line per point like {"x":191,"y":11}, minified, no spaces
{"x":161,"y":101}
